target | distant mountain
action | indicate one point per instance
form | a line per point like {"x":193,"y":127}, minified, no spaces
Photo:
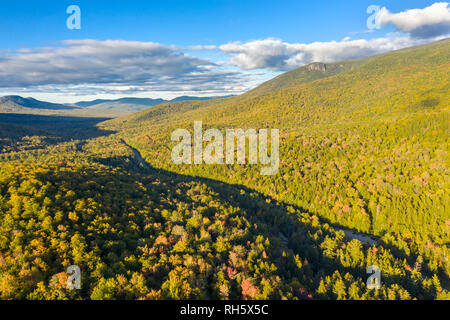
{"x":131,"y":105}
{"x":98,"y":107}
{"x":148,"y":102}
{"x":17,"y":104}
{"x":188,"y":98}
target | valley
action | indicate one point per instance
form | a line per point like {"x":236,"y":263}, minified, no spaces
{"x":363,"y":180}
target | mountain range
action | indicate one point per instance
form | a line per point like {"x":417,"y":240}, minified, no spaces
{"x":122,"y":106}
{"x":12,"y":104}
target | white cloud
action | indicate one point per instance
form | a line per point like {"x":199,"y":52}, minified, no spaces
{"x":429,"y":22}
{"x":422,"y":25}
{"x":268,"y":53}
{"x":113,"y":64}
{"x":275,"y":54}
{"x":202,"y":47}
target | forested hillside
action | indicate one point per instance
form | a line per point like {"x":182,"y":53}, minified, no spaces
{"x":363,"y":150}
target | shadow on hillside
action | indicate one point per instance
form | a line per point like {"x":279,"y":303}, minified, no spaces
{"x":63,"y":128}
{"x":275,"y":219}
{"x":282,"y":208}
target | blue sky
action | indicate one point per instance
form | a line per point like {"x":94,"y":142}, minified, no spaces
{"x":208,"y":47}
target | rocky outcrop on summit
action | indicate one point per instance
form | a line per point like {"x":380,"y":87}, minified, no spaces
{"x":317,"y":66}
